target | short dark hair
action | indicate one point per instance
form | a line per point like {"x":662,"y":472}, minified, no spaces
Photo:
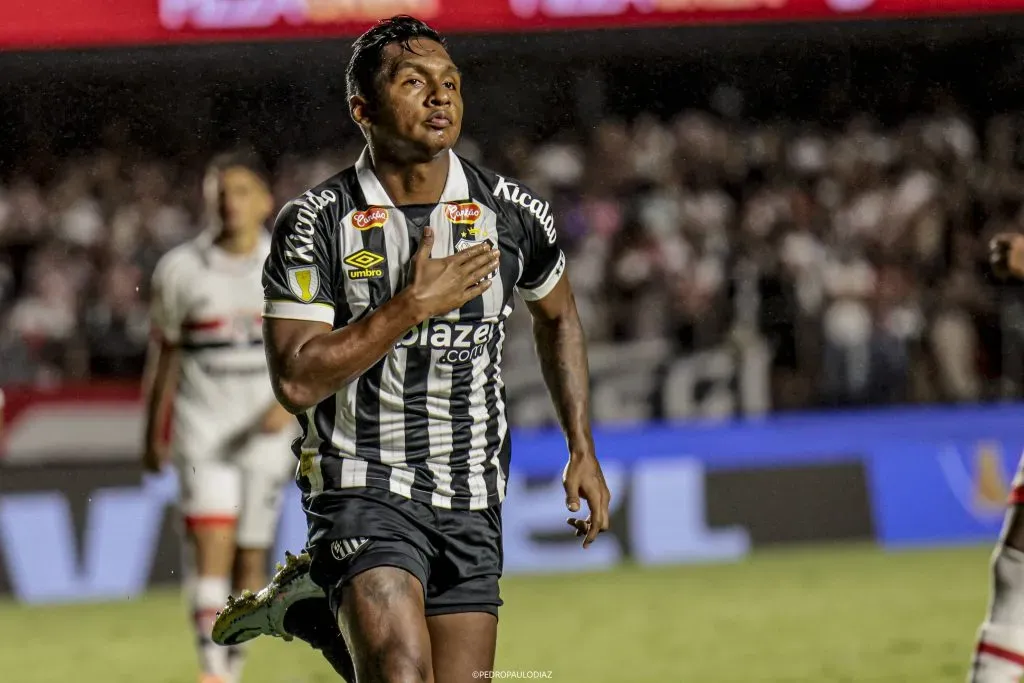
{"x":240,"y":158}
{"x":368,"y":52}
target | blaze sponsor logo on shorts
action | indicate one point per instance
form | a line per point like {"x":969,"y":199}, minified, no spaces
{"x":304,"y":282}
{"x":373,"y":217}
{"x":346,"y":547}
{"x":365,"y":263}
{"x":458,"y":342}
{"x":463,"y":214}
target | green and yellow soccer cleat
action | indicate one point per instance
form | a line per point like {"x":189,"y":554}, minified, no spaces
{"x":262,"y":614}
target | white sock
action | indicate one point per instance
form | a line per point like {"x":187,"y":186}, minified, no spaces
{"x":999,"y":657}
{"x":208,"y":595}
{"x":236,"y":661}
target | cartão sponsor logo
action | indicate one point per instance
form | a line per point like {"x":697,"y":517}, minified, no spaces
{"x":373,"y":217}
{"x":463,"y":214}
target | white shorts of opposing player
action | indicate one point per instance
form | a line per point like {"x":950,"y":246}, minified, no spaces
{"x":244,"y":487}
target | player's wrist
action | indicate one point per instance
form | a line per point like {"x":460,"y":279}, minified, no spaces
{"x":579,"y":454}
{"x":411,"y":309}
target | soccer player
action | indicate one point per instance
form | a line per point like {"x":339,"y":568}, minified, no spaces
{"x":230,"y":439}
{"x":999,"y":655}
{"x":387,"y":290}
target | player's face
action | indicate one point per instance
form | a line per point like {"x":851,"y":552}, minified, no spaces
{"x":420,"y":101}
{"x":242,"y":200}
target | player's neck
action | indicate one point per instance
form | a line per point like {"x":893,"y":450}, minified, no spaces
{"x":412,"y":183}
{"x":241,"y":243}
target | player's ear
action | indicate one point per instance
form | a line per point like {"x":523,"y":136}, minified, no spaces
{"x":360,"y":110}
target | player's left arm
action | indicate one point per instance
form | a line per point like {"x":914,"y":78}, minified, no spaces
{"x":562,"y":350}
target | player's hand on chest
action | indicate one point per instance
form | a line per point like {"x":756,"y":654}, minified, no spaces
{"x":442,"y":284}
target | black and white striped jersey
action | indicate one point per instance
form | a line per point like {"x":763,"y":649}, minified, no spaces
{"x":428,"y":420}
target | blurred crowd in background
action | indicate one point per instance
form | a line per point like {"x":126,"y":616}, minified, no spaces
{"x":857,"y":251}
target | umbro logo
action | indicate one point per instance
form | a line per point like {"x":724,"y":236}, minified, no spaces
{"x":344,"y":548}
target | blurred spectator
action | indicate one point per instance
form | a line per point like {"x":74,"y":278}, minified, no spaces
{"x":116,"y":326}
{"x":856,"y":251}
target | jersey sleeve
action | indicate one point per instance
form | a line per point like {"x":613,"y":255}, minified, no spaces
{"x":299,"y":274}
{"x":166,"y":305}
{"x":543,"y":258}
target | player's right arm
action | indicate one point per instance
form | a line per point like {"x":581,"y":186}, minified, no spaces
{"x":162,"y":357}
{"x":309,"y":360}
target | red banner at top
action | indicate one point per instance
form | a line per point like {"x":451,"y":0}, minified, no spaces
{"x":44,"y":24}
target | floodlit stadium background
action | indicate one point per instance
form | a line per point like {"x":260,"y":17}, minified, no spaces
{"x":807,"y":386}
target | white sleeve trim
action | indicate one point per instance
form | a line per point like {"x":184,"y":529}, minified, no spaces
{"x":292,"y":310}
{"x":547,"y":284}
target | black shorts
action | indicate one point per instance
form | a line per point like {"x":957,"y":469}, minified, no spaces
{"x":455,"y":554}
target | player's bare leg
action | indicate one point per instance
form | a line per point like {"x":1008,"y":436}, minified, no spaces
{"x":462,"y":645}
{"x":383,"y":619}
{"x":290,"y":606}
{"x":250,"y":569}
{"x":999,"y":657}
{"x":311,"y":621}
{"x":212,"y":544}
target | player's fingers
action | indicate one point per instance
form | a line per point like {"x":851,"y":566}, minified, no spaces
{"x":480,"y":260}
{"x":467,"y":255}
{"x":592,"y":532}
{"x":572,"y":495}
{"x":580,"y":526}
{"x":475,"y":290}
{"x":483,"y":269}
{"x":600,"y":516}
{"x":426,"y":244}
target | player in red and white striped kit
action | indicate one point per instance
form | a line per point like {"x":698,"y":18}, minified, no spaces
{"x":230,"y":439}
{"x":999,"y":652}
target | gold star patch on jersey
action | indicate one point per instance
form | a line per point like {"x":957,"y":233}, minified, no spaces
{"x":304,"y":283}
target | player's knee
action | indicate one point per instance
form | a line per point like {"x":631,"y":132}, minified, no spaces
{"x":399,"y":657}
{"x":399,"y":661}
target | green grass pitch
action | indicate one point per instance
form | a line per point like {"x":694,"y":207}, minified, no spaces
{"x":822,"y":615}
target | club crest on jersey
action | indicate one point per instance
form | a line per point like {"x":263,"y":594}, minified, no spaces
{"x":466,"y":213}
{"x":373,"y":217}
{"x":365,"y":263}
{"x":304,"y":283}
